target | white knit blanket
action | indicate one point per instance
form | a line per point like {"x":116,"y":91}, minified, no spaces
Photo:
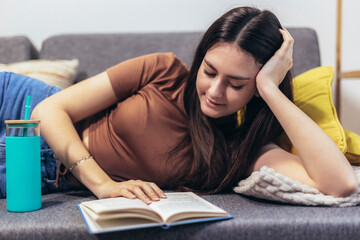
{"x":271,"y":185}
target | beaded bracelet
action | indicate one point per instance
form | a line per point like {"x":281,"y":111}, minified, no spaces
{"x":75,"y":164}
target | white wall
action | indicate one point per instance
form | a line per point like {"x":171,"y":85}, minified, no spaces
{"x":39,"y":19}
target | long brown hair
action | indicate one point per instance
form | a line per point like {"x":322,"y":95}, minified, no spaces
{"x":221,"y":154}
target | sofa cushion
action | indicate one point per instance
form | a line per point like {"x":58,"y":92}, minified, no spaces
{"x":353,"y":147}
{"x":312,"y":94}
{"x":254,"y":219}
{"x":15,"y":49}
{"x":59,"y":73}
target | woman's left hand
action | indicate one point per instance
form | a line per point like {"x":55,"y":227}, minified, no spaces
{"x":274,"y":70}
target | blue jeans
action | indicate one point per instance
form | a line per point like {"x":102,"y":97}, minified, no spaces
{"x":13,"y":91}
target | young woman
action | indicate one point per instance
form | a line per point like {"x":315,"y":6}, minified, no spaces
{"x":150,"y":122}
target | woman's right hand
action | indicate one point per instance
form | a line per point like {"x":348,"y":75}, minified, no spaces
{"x":145,"y":191}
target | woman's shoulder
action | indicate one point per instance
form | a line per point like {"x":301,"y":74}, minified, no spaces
{"x":150,"y":67}
{"x":157,"y":60}
{"x":166,"y":61}
{"x":168,"y":73}
{"x":162,"y":57}
{"x":132,"y":75}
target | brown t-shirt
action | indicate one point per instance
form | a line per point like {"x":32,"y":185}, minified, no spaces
{"x":132,"y":139}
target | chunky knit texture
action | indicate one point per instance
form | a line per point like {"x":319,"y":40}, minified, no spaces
{"x":271,"y":185}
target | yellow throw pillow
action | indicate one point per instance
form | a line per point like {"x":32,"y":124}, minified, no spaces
{"x":353,"y":147}
{"x":312,"y":94}
{"x":60,"y":73}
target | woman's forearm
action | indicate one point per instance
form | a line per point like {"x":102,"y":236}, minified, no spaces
{"x":321,"y":157}
{"x":59,"y":132}
{"x":58,"y":113}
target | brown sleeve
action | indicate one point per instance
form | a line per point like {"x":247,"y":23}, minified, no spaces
{"x":130,"y":76}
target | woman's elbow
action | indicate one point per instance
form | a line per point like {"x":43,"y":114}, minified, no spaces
{"x":352,"y":187}
{"x":35,"y":115}
{"x":41,"y":111}
{"x":349,"y":187}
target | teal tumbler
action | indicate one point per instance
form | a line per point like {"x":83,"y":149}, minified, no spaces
{"x":23,"y":165}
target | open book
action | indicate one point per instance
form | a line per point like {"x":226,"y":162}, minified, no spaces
{"x":116,"y":214}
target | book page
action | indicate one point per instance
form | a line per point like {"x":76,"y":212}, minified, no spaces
{"x":129,"y":213}
{"x":117,"y":204}
{"x":186,"y":204}
{"x":113,"y":224}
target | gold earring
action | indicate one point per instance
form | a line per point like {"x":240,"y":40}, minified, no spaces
{"x":240,"y":116}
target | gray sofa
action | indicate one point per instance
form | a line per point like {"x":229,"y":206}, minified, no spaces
{"x":59,"y":217}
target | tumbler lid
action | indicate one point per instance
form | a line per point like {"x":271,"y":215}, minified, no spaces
{"x":22,"y":123}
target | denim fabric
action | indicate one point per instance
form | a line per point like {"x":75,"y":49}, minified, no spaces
{"x":13,"y":91}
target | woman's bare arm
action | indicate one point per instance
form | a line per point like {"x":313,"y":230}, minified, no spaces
{"x":58,"y":113}
{"x":320,"y":164}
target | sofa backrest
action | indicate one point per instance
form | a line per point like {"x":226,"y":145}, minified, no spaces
{"x":306,"y":53}
{"x":16,"y":49}
{"x":96,"y":52}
